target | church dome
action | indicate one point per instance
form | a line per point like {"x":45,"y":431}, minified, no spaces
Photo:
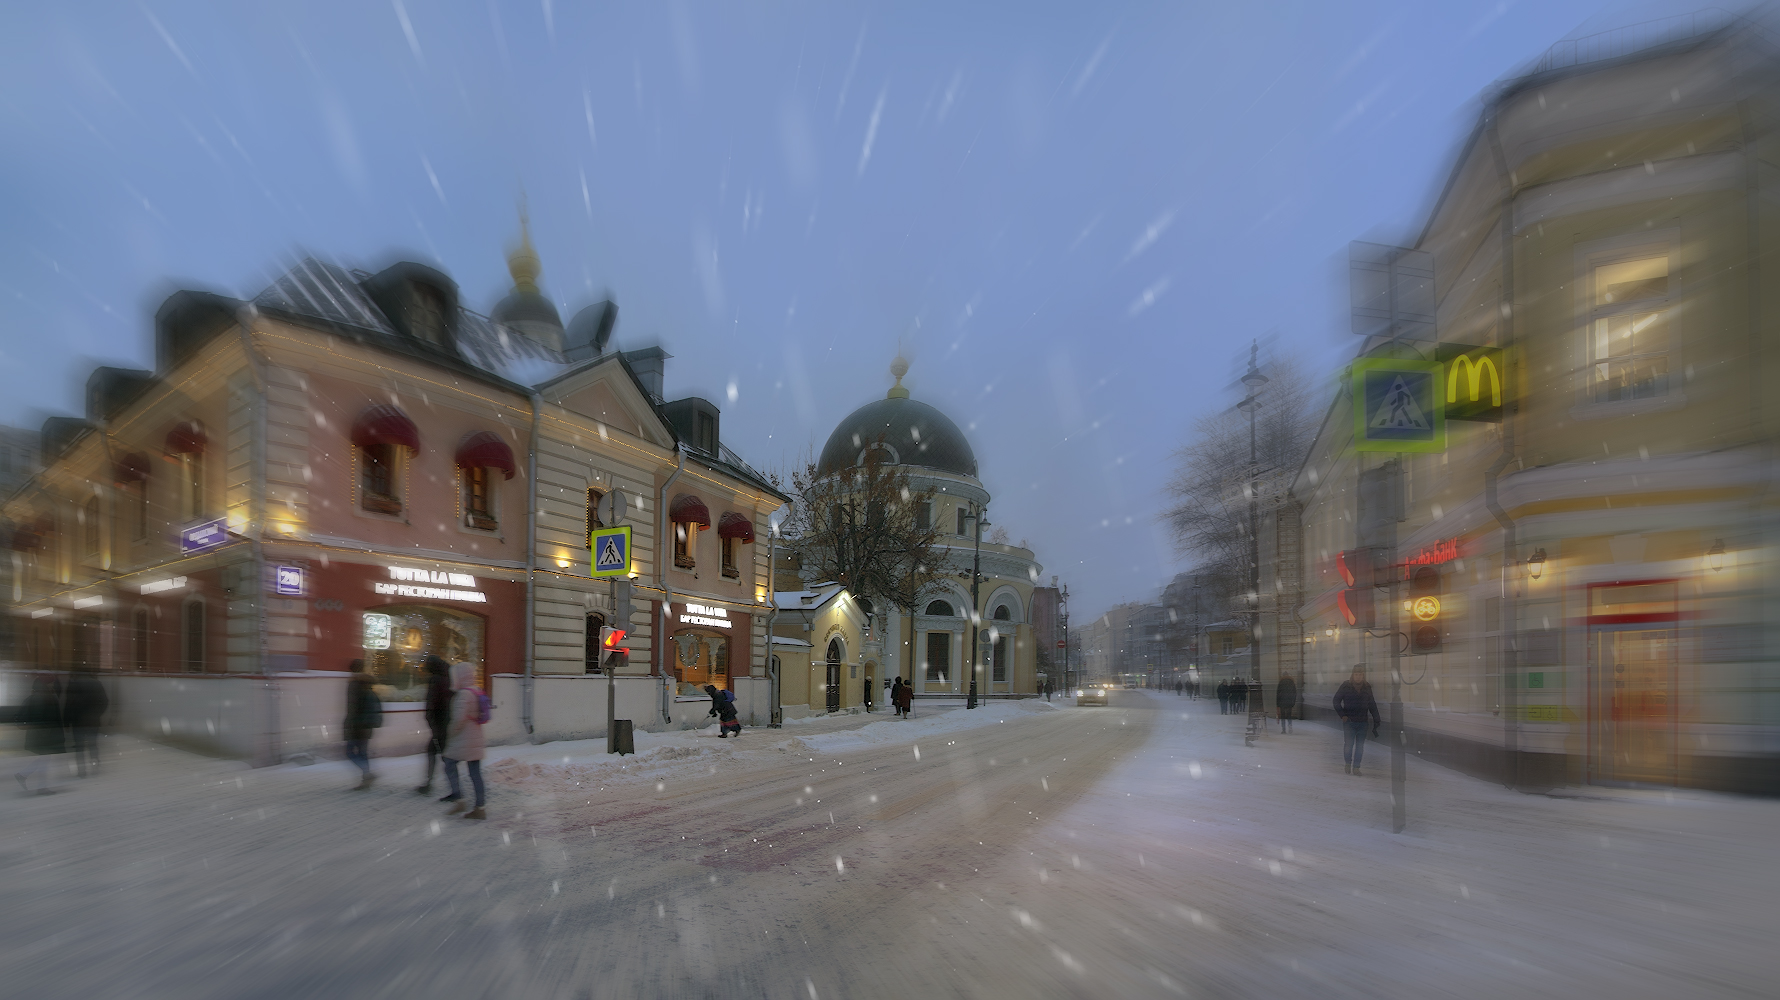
{"x":526,"y":309}
{"x":912,"y":433}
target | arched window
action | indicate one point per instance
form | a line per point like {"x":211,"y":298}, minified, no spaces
{"x":940,"y":608}
{"x":593,"y":515}
{"x":1002,"y":614}
{"x":1000,"y":658}
{"x":834,"y":651}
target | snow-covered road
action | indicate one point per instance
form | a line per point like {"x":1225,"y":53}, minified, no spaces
{"x":1022,"y":850}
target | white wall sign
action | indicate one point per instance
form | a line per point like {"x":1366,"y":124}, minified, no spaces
{"x":160,"y":586}
{"x":699,"y":614}
{"x":452,"y":586}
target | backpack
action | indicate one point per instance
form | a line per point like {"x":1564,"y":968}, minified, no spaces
{"x":484,"y":706}
{"x":728,"y":696}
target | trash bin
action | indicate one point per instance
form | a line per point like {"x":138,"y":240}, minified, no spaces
{"x":623,"y":738}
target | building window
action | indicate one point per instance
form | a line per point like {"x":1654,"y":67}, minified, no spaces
{"x":193,"y":636}
{"x":940,"y":608}
{"x":1002,"y":614}
{"x":479,"y":509}
{"x":139,"y":505}
{"x":999,"y":676}
{"x":706,"y":433}
{"x":959,"y":511}
{"x":939,"y":656}
{"x":377,"y":479}
{"x":191,"y":485}
{"x":1628,"y":334}
{"x":139,"y":639}
{"x":89,"y":526}
{"x":1228,"y":646}
{"x":729,"y":564}
{"x":592,"y":651}
{"x":924,"y":516}
{"x":685,"y":539}
{"x":593,"y":515}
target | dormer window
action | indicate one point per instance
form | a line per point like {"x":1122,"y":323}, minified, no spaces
{"x":426,"y":314}
{"x":705,"y":436}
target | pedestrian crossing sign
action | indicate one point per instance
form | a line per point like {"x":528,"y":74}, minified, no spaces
{"x":610,"y":550}
{"x":1398,"y":405}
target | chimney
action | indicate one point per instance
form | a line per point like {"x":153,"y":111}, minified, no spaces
{"x":650,"y":365}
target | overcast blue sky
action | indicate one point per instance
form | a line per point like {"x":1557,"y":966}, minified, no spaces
{"x":1071,"y":217}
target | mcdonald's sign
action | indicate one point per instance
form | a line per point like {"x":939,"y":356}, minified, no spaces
{"x":1475,"y":383}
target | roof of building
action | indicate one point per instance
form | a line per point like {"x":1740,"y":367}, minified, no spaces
{"x":906,"y":431}
{"x":807,"y":600}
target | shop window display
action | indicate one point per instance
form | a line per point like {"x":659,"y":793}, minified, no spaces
{"x":398,"y":639}
{"x":700,"y":658}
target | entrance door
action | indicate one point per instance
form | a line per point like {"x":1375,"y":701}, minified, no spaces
{"x":1633,"y":705}
{"x":834,"y":675}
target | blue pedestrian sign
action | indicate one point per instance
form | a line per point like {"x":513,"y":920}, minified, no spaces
{"x":611,"y":551}
{"x":1399,"y":405}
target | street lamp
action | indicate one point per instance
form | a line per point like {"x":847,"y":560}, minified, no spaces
{"x":978,"y":521}
{"x":1253,"y":380}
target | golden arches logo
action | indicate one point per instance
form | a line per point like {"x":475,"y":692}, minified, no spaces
{"x":1474,"y":369}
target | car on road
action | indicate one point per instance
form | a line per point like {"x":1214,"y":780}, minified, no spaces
{"x":1093,"y":694}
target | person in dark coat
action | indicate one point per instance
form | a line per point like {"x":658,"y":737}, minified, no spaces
{"x":904,"y":697}
{"x":438,"y":714}
{"x":1238,"y":697}
{"x":364,"y":713}
{"x":868,"y":694}
{"x":83,"y":706}
{"x":1353,"y":703}
{"x":43,"y":722}
{"x":1223,"y":697}
{"x":727,"y":722}
{"x":1285,"y":699}
{"x":716,"y":711}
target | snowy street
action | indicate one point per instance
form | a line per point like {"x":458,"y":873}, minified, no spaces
{"x":1020,"y":850}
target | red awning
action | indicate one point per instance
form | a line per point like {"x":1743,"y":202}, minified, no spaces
{"x":384,"y":424}
{"x":187,"y":439}
{"x":735,"y":525}
{"x":688,"y":509}
{"x":484,"y":449}
{"x":131,"y":468}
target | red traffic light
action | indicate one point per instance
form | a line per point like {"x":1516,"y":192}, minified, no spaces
{"x":1356,"y":567}
{"x":1356,"y":606}
{"x":610,"y":639}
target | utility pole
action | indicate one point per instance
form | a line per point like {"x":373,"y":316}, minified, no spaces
{"x":1253,"y":379}
{"x":981,"y":521}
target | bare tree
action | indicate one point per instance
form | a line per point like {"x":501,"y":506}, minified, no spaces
{"x":1208,"y":495}
{"x":863,"y":526}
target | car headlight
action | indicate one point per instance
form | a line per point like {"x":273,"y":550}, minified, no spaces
{"x":1078,"y":692}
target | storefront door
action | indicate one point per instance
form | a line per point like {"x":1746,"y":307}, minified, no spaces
{"x":1633,"y":705}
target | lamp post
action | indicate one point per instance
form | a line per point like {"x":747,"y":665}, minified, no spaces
{"x":978,"y":521}
{"x":1253,"y":380}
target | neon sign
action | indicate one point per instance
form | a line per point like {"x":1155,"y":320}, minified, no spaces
{"x":1445,"y":550}
{"x":700,"y":614}
{"x":456,"y":586}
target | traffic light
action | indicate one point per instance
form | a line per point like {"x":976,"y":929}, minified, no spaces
{"x":1424,"y":610}
{"x":1356,"y":606}
{"x":1356,"y":602}
{"x":610,"y":638}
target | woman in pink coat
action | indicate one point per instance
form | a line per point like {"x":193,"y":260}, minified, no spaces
{"x":464,"y":740}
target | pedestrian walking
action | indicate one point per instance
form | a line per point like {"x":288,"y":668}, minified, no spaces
{"x":1353,"y":703}
{"x":716,"y":711}
{"x":42,"y":718}
{"x":464,"y":740}
{"x":726,"y":716}
{"x":868,"y":694}
{"x":904,"y":697}
{"x":1238,"y":697}
{"x":83,"y":706}
{"x":1223,"y":697}
{"x":364,"y":713}
{"x":437,"y":714}
{"x":1285,"y":699}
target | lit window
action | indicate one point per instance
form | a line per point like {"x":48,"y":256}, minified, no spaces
{"x":1629,"y":330}
{"x":479,"y":498}
{"x":685,"y":542}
